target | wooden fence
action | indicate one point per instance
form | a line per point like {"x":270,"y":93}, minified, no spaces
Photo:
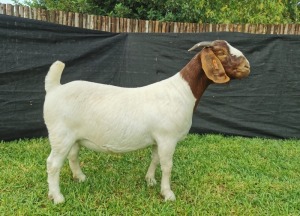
{"x":114,"y":24}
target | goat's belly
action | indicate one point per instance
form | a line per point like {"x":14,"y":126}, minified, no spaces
{"x":116,"y":144}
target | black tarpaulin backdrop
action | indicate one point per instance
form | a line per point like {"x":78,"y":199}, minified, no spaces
{"x":266,"y":104}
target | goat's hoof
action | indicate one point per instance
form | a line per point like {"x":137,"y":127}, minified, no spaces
{"x":169,"y":195}
{"x":80,"y":178}
{"x":59,"y":198}
{"x":150,"y":181}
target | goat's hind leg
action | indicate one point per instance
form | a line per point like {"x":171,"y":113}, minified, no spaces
{"x":59,"y":151}
{"x":75,"y":164}
{"x":150,"y":176}
{"x":54,"y":163}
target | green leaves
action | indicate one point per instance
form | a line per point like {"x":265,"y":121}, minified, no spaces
{"x":193,"y":11}
{"x":121,"y":10}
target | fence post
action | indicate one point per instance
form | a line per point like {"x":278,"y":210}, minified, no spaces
{"x":2,"y":9}
{"x":76,"y":17}
{"x":9,"y":10}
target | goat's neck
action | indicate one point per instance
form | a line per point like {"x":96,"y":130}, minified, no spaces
{"x":195,"y":77}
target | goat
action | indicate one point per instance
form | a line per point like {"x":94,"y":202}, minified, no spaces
{"x":108,"y":118}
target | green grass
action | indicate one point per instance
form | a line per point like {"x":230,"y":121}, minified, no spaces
{"x":212,"y":175}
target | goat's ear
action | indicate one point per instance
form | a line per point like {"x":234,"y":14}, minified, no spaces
{"x":212,"y":66}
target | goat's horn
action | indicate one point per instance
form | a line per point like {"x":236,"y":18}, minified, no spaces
{"x":201,"y":44}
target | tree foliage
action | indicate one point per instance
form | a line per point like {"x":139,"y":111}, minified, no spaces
{"x":203,"y":11}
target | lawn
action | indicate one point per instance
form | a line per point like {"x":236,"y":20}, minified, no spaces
{"x":212,"y":175}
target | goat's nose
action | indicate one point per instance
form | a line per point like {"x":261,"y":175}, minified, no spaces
{"x":247,"y":65}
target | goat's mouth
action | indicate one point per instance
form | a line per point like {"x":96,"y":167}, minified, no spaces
{"x":242,"y":73}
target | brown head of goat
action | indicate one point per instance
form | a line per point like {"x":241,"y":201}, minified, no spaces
{"x":217,"y":62}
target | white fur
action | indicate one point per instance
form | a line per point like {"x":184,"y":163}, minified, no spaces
{"x":107,"y":118}
{"x":234,"y":51}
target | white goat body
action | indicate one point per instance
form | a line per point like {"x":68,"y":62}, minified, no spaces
{"x":114,"y":119}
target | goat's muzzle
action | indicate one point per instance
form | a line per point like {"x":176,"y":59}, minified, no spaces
{"x":241,"y":71}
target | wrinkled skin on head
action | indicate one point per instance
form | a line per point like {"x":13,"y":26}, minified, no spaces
{"x":234,"y":62}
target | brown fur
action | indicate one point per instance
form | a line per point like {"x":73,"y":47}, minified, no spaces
{"x":196,"y":78}
{"x":234,"y":66}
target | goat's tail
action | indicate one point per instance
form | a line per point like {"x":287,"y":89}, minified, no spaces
{"x":54,"y":74}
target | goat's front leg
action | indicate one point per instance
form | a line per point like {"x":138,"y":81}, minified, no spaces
{"x":165,"y":152}
{"x":150,"y":176}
